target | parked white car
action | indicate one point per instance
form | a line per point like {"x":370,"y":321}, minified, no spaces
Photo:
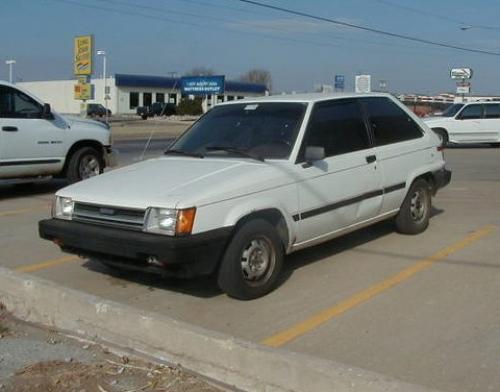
{"x":476,"y":122}
{"x":37,"y":142}
{"x":252,"y":181}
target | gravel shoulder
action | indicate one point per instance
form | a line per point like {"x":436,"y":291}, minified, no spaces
{"x":38,"y":360}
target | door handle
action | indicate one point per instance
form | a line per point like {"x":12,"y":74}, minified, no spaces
{"x":371,"y":158}
{"x":9,"y":129}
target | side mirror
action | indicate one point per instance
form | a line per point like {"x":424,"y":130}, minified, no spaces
{"x":47,"y":112}
{"x":314,"y":153}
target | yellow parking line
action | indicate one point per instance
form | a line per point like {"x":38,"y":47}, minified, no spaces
{"x":46,"y":264}
{"x":286,"y":336}
{"x":22,"y":211}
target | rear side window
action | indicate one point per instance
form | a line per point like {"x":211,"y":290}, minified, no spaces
{"x":492,"y":111}
{"x":390,"y":123}
{"x":338,"y":126}
{"x":471,"y":112}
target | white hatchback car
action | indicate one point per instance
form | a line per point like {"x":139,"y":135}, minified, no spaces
{"x":476,"y":122}
{"x":252,"y":181}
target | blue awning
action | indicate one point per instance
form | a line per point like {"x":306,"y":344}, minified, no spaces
{"x":127,"y":80}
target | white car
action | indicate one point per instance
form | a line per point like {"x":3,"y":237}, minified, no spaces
{"x":255,"y":180}
{"x":476,"y":122}
{"x":37,"y":142}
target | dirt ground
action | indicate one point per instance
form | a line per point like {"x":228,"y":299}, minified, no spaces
{"x":36,"y":360}
{"x":140,"y":129}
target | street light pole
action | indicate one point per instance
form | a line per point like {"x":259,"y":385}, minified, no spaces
{"x":103,"y":54}
{"x":10,"y":63}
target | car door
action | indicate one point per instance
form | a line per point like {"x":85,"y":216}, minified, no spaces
{"x":467,"y":125}
{"x":345,"y":187}
{"x":399,"y":146}
{"x":29,"y":144}
{"x":490,"y":125}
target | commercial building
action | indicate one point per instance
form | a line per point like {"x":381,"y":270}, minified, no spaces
{"x":127,"y":92}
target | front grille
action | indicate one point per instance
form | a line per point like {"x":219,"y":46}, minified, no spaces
{"x":109,"y":216}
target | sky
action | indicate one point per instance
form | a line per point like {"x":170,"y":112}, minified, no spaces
{"x":156,"y":37}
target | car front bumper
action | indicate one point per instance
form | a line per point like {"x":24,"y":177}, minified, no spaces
{"x":110,"y":157}
{"x":441,"y":178}
{"x":187,"y":256}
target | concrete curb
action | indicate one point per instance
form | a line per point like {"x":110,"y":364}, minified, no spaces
{"x":241,"y":364}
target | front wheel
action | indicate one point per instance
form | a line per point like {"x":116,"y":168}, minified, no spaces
{"x":84,"y":163}
{"x":414,"y":214}
{"x":252,"y":262}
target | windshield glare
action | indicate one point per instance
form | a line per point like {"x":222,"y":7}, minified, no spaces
{"x":452,"y":110}
{"x":267,"y":130}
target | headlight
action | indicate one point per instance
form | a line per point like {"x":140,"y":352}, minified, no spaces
{"x":63,"y":208}
{"x":169,"y":221}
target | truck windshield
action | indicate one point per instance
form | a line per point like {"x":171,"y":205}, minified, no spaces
{"x":452,"y":110}
{"x":265,"y":130}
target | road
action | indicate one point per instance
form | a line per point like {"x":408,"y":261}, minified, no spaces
{"x":423,"y":309}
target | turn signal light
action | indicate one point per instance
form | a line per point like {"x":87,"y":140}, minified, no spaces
{"x":185,"y":221}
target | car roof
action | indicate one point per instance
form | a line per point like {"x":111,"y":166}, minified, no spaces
{"x":305,"y":98}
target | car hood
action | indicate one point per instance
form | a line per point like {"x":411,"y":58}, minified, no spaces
{"x":178,"y":182}
{"x":81,"y":122}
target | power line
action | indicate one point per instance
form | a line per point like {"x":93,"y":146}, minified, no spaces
{"x":203,"y":26}
{"x":369,"y":29}
{"x":458,"y":22}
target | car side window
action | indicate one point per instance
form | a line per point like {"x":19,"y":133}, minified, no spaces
{"x":492,"y":110}
{"x":16,"y":104}
{"x":390,"y":123}
{"x":338,"y":126}
{"x":471,"y":112}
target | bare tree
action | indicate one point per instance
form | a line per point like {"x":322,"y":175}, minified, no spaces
{"x":258,"y":75}
{"x":200,"y":71}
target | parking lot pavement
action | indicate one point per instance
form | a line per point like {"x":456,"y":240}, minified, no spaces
{"x":422,"y":308}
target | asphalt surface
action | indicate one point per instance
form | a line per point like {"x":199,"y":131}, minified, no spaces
{"x":422,"y":308}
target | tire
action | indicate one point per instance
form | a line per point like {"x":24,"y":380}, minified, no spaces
{"x":144,"y":117}
{"x":414,"y":214}
{"x":445,"y":139}
{"x":85,"y":162}
{"x":237,"y":277}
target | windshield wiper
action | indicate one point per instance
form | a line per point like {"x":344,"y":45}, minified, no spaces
{"x":234,"y":150}
{"x":185,"y":153}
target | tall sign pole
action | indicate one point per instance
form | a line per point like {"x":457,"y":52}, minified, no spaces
{"x":83,"y":67}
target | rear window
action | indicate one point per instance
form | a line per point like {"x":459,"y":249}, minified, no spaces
{"x":390,"y":123}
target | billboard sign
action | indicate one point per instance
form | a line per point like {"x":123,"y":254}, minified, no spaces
{"x":83,"y":55}
{"x":461,"y":73}
{"x":84,"y":91}
{"x":202,"y":85}
{"x":339,"y":82}
{"x":363,"y":83}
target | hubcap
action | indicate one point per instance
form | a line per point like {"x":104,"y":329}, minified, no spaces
{"x":418,"y":205}
{"x":257,"y":261}
{"x":89,"y":167}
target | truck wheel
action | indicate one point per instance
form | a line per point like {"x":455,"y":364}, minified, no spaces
{"x":413,"y":216}
{"x":84,"y":163}
{"x":252,"y":262}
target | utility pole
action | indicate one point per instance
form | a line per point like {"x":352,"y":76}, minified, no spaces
{"x":10,"y":63}
{"x":103,"y":54}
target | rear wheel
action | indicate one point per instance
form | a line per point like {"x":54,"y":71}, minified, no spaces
{"x":252,"y":262}
{"x":414,"y":214}
{"x":84,"y":163}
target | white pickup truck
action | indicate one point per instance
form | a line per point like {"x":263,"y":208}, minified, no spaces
{"x":252,"y":181}
{"x":37,"y":142}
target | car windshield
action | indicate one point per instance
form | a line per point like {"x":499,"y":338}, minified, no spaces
{"x":452,"y":110}
{"x":261,"y":130}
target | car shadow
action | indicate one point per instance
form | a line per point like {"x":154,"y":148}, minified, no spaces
{"x":37,"y":188}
